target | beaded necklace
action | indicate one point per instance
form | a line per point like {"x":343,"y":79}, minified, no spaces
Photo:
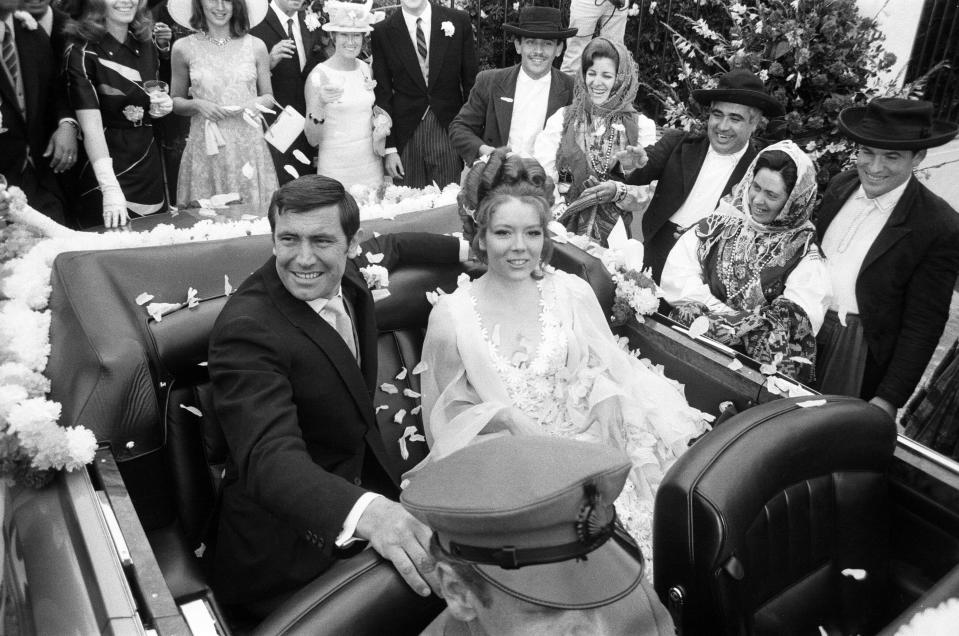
{"x":729,"y":273}
{"x":605,"y":151}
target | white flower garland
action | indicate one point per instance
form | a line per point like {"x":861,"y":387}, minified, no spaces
{"x":29,"y":247}
{"x":933,"y":621}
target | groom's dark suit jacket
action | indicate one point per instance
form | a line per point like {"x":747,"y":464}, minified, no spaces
{"x":485,"y":118}
{"x":905,"y":284}
{"x":28,"y":133}
{"x":400,"y":88}
{"x":297,"y":414}
{"x":288,"y":82}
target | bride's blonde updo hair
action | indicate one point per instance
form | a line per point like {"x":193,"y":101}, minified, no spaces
{"x":503,"y":177}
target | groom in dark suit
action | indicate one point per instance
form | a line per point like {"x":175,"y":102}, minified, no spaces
{"x":293,"y":365}
{"x":295,"y":48}
{"x":424,"y":64}
{"x":41,"y":135}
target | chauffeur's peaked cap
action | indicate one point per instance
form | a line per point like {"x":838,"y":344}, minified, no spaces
{"x":534,"y":516}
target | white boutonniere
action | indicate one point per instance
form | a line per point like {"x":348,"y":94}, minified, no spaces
{"x":134,"y":114}
{"x":311,"y":20}
{"x":448,"y":28}
{"x":28,"y":21}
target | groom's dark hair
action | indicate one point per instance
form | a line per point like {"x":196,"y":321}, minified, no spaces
{"x":315,"y":191}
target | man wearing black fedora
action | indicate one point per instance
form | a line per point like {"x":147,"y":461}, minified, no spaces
{"x":526,"y":541}
{"x":509,"y":107}
{"x":695,"y":171}
{"x":892,"y":250}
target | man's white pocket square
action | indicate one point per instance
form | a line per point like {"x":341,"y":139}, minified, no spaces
{"x":507,"y":99}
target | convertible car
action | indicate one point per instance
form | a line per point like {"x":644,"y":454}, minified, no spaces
{"x":797,"y":514}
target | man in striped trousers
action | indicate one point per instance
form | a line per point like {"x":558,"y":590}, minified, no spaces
{"x":424,"y":64}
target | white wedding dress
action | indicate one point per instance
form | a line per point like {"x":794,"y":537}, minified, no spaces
{"x":346,"y":151}
{"x":578,"y":364}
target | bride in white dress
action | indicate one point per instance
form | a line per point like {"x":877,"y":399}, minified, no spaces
{"x":526,"y":350}
{"x":339,"y":103}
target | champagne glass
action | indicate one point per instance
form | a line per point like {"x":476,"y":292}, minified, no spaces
{"x":155,"y":87}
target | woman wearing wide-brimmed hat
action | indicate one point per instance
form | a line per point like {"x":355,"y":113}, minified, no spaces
{"x":892,"y":250}
{"x":110,"y":58}
{"x":340,"y":116}
{"x":221,"y":78}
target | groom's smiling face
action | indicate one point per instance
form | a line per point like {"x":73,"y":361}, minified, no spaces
{"x":311,"y":250}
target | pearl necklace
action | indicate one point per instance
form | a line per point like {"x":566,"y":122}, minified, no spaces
{"x":216,"y":41}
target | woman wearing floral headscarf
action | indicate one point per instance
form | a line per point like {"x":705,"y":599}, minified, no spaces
{"x":580,"y":143}
{"x":753,"y":267}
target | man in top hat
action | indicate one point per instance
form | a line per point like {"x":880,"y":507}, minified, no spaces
{"x":295,"y":48}
{"x":526,"y":540}
{"x":424,"y":64}
{"x":509,"y":107}
{"x":892,"y":250}
{"x":693,"y":171}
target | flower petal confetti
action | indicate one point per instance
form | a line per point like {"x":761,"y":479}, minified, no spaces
{"x":381,"y":407}
{"x":144,"y":298}
{"x":857,"y":574}
{"x":768,"y":369}
{"x":247,"y":170}
{"x":374,"y":258}
{"x":416,"y":409}
{"x":399,"y":415}
{"x":386,"y":387}
{"x":156,"y":310}
{"x":735,"y":365}
{"x":299,"y":156}
{"x":191,"y":298}
{"x":410,"y":393}
{"x":420,"y":368}
{"x":402,"y":374}
{"x":699,"y":327}
{"x":192,"y":409}
{"x":404,"y":452}
{"x":203,"y":364}
{"x":800,"y":359}
{"x":227,"y":287}
{"x":290,"y":170}
{"x":265,"y":109}
{"x":810,"y":403}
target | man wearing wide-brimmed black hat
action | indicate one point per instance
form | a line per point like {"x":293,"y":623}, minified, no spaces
{"x":526,"y":541}
{"x":892,"y":250}
{"x":695,"y":171}
{"x":509,"y":107}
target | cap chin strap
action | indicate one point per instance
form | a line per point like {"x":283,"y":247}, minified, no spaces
{"x":512,"y":558}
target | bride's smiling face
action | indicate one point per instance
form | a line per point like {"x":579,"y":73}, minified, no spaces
{"x":514,"y":240}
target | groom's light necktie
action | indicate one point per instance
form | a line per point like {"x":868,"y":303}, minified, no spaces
{"x":335,"y":314}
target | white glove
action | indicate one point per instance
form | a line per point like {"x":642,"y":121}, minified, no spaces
{"x":114,"y":203}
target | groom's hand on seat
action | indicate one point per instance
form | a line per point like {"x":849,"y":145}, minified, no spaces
{"x":396,"y":535}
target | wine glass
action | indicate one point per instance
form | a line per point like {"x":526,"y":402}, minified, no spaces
{"x":155,"y":87}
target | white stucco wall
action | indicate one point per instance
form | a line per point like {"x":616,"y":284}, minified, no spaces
{"x":899,"y":20}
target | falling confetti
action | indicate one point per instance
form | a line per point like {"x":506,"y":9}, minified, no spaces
{"x":420,"y":368}
{"x":144,"y":298}
{"x":416,"y":409}
{"x":192,"y":409}
{"x":386,"y":387}
{"x":402,"y":374}
{"x":290,"y":170}
{"x":855,"y":573}
{"x":399,"y":415}
{"x":299,"y":156}
{"x":381,"y":407}
{"x":410,"y":393}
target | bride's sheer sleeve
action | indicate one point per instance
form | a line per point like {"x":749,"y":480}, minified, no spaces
{"x":455,"y":412}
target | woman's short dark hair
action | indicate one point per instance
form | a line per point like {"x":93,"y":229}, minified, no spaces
{"x":90,"y":23}
{"x":598,"y":48}
{"x":315,"y":191}
{"x":778,"y":161}
{"x":239,"y":21}
{"x":503,"y":178}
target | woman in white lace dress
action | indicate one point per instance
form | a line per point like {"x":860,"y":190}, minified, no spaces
{"x":220,"y":76}
{"x":340,"y":116}
{"x":525,"y":350}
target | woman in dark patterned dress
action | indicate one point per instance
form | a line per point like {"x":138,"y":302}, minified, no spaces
{"x":109,"y":59}
{"x":753,"y":268}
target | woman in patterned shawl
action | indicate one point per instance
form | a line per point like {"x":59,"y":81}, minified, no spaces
{"x":580,"y":142}
{"x":753,"y":268}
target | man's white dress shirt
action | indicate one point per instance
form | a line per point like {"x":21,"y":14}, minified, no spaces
{"x":530,"y":102}
{"x":710,"y":183}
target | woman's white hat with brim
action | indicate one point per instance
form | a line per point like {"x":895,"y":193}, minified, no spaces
{"x":351,"y":17}
{"x":182,"y":10}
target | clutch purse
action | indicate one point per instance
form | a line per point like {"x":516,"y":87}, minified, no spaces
{"x":284,"y":131}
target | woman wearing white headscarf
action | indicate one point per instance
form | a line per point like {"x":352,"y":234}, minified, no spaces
{"x":753,"y":268}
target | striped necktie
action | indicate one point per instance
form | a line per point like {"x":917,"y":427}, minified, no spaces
{"x":421,"y":40}
{"x":296,"y":51}
{"x":8,"y":51}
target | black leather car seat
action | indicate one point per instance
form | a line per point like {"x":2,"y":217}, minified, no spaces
{"x":777,"y":521}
